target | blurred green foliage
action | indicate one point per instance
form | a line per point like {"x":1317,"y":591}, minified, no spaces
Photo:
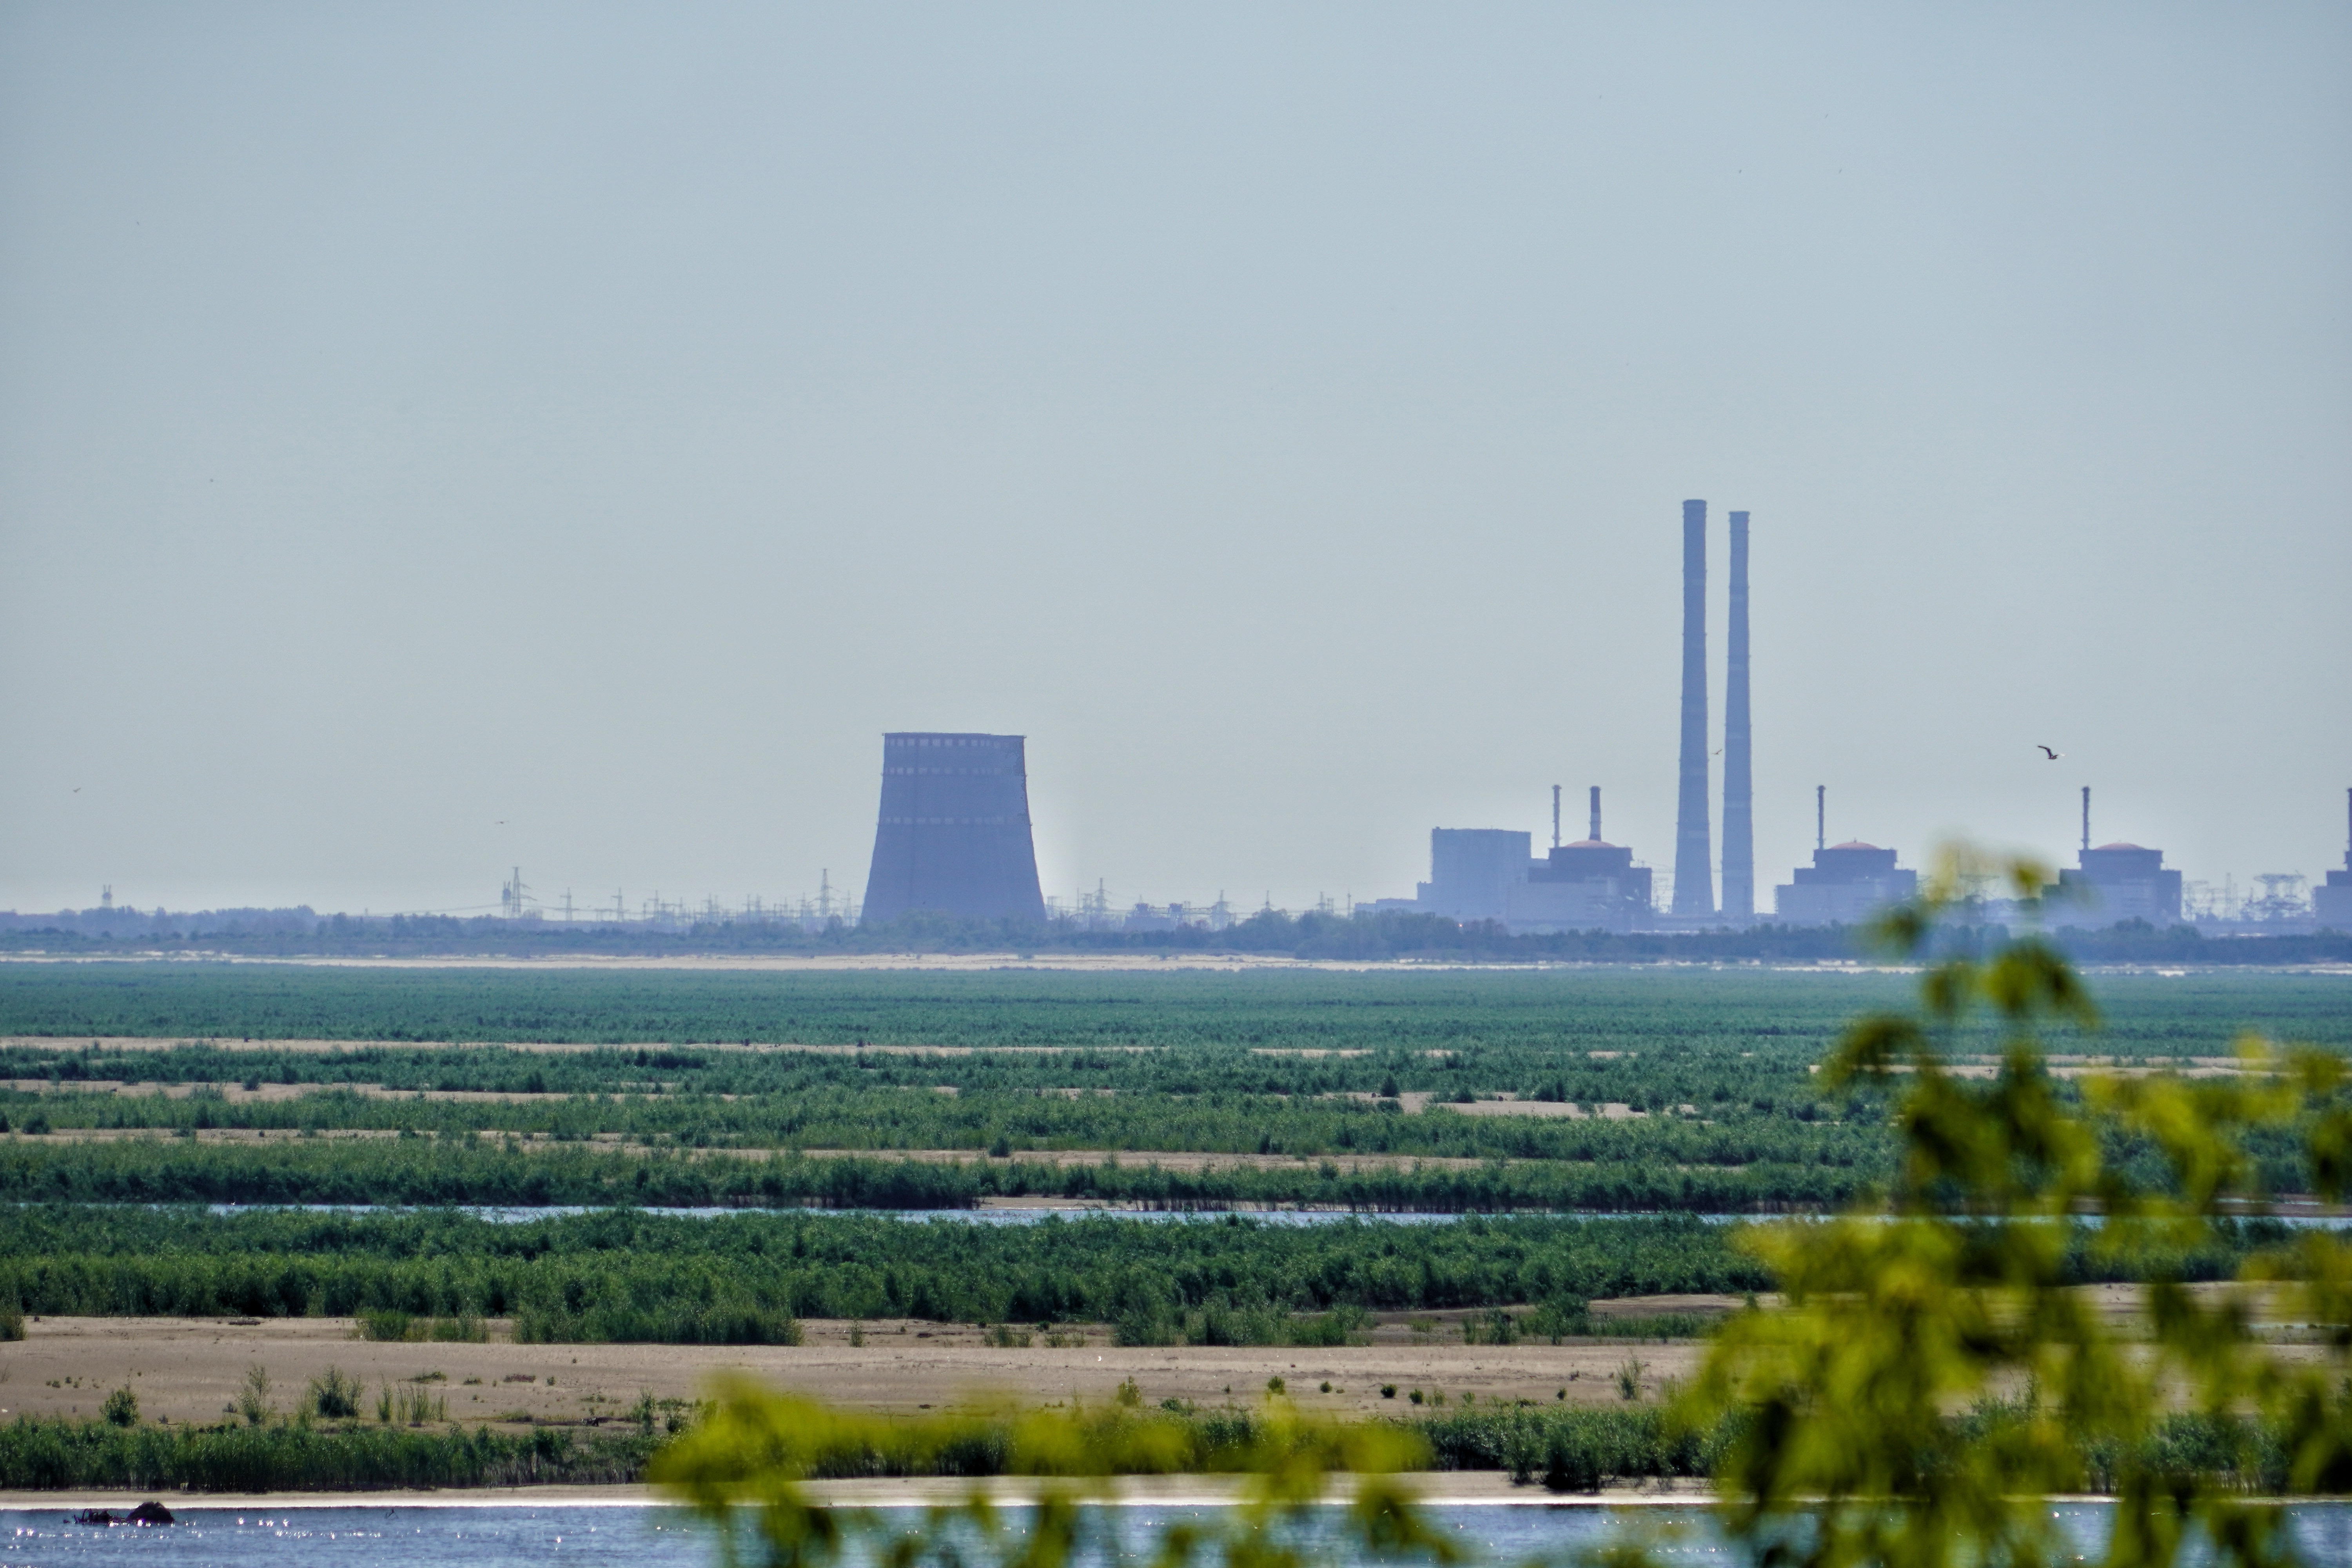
{"x":1952,"y":1292}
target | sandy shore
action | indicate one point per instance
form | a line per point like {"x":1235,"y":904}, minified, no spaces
{"x":192,"y":1370}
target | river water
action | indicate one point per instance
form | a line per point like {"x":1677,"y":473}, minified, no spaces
{"x":639,"y":1536}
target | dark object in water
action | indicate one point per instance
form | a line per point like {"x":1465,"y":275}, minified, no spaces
{"x":148,"y":1512}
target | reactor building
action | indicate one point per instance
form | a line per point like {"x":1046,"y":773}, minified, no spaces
{"x":2331,"y":903}
{"x":2113,"y":883}
{"x":1846,"y":884}
{"x":953,"y":836}
{"x":1591,"y":885}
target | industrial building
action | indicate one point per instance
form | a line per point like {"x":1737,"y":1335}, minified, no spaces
{"x":2113,"y":883}
{"x":2331,"y":902}
{"x":1491,"y":874}
{"x":954,"y":836}
{"x":1591,"y":885}
{"x":1472,"y":871}
{"x":1846,"y":884}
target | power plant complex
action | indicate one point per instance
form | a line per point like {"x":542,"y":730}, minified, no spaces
{"x":1487,"y":874}
{"x":953,"y":834}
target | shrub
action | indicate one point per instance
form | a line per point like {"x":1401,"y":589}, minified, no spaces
{"x":334,"y":1394}
{"x":1494,"y":1327}
{"x":121,"y":1408}
{"x":384,"y":1325}
{"x":253,"y":1400}
{"x":1146,"y":1324}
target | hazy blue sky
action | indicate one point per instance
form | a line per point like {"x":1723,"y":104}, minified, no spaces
{"x":439,"y":437}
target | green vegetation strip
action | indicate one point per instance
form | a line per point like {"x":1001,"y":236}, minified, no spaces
{"x":1717,"y":1063}
{"x":427,"y":1172}
{"x":1381,"y":1011}
{"x":636,"y":1276}
{"x":1561,"y":1449}
{"x":55,"y":1455}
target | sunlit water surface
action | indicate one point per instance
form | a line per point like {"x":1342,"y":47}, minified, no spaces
{"x":647,"y":1537}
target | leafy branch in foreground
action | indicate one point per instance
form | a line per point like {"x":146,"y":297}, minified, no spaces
{"x":744,"y":1469}
{"x":1949,"y":1292}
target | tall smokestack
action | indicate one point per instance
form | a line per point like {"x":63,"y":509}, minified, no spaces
{"x":1554,"y":817}
{"x":1820,"y":817}
{"x":1595,"y":834}
{"x":2087,"y":817}
{"x":1738,"y":797}
{"x":2347,"y":823}
{"x":1694,"y":847}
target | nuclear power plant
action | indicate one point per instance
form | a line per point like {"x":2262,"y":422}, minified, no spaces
{"x":1489,"y":874}
{"x":953,"y":836}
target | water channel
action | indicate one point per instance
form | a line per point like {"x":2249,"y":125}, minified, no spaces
{"x":636,"y":1535}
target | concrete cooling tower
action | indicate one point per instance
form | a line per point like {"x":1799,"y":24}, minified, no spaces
{"x":954,"y":836}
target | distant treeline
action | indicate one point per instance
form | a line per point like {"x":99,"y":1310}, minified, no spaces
{"x":427,"y":1172}
{"x":1387,"y":934}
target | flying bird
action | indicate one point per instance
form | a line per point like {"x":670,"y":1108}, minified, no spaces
{"x":2046,"y":751}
